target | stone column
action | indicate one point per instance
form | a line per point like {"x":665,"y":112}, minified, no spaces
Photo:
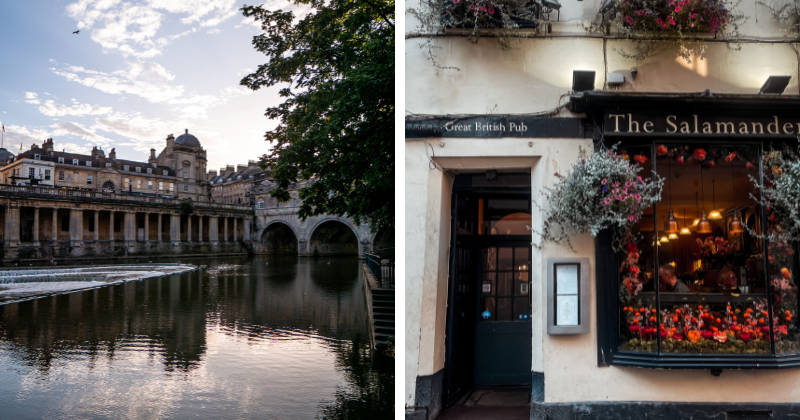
{"x":36,"y":226}
{"x":175,"y":229}
{"x":189,"y":228}
{"x":147,"y":227}
{"x":235,"y":220}
{"x":224,"y":229}
{"x":200,"y":229}
{"x":159,"y":227}
{"x":213,"y":230}
{"x":76,"y":227}
{"x":246,"y":229}
{"x":12,"y":225}
{"x":55,"y":224}
{"x":111,"y":226}
{"x":96,"y":225}
{"x":130,"y":226}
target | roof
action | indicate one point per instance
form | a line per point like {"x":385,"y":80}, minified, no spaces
{"x":5,"y":154}
{"x":187,"y":139}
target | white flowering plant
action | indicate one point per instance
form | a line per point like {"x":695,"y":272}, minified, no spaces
{"x":602,"y":191}
{"x":781,"y":190}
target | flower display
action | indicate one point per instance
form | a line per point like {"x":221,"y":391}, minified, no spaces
{"x":714,"y":246}
{"x":602,"y":191}
{"x":679,"y":15}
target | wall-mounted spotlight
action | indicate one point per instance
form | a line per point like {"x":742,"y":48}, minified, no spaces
{"x":582,"y":80}
{"x":775,"y":84}
{"x":634,"y":72}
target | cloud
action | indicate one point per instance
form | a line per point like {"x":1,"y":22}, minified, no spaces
{"x":148,"y":71}
{"x":75,"y":129}
{"x":122,"y":82}
{"x":55,"y":110}
{"x":132,"y":29}
{"x":213,"y":31}
{"x":32,"y":98}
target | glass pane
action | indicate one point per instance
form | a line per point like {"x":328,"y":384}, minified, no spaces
{"x":508,"y":217}
{"x":521,"y":284}
{"x":488,"y":312}
{"x":638,"y":321}
{"x":489,"y":261}
{"x":783,"y":272}
{"x":504,"y":309}
{"x":521,"y":258}
{"x":504,"y":286}
{"x":489,"y":285}
{"x":506,"y":261}
{"x":522,"y":308}
{"x":711,"y":283}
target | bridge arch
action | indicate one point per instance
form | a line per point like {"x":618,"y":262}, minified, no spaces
{"x":383,"y":241}
{"x":279,"y":237}
{"x":333,"y":236}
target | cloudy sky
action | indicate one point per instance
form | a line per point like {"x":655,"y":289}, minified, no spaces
{"x":138,"y":71}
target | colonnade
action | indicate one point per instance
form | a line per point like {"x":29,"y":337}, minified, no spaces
{"x":78,"y":226}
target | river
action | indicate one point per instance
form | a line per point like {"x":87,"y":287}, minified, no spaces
{"x":257,"y":337}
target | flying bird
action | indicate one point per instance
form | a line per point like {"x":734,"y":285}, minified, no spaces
{"x":77,"y":32}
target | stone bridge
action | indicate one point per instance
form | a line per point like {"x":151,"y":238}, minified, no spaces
{"x":280,"y":231}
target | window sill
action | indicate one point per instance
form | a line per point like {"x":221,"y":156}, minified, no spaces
{"x":705,"y":361}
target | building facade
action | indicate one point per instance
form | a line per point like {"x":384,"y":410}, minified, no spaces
{"x":659,"y":329}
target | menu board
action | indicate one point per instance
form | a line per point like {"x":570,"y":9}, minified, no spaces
{"x":567,"y":280}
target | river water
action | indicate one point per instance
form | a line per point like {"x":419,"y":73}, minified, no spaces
{"x":258,"y":337}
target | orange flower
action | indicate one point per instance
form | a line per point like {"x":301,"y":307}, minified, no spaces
{"x":636,"y":314}
{"x":786,"y":273}
{"x":699,"y":154}
{"x":693,"y":336}
{"x":746,"y":315}
{"x":700,"y":307}
{"x":761,"y":320}
{"x":653,"y":310}
{"x":776,"y":170}
{"x":719,"y":320}
{"x":721,"y":336}
{"x":734,"y":317}
{"x":675,"y":318}
{"x":788,"y":312}
{"x":677,"y":311}
{"x":641,"y":159}
{"x":749,"y":310}
{"x":694,"y":320}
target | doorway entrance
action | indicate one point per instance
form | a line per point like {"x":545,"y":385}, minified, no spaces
{"x":489,"y":330}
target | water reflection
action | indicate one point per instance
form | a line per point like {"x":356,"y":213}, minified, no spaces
{"x":264,"y":337}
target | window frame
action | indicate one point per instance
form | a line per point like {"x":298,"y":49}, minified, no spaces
{"x":607,"y":290}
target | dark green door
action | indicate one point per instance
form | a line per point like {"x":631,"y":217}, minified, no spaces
{"x":503,"y":329}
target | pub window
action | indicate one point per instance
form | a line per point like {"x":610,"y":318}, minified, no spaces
{"x":694,"y":278}
{"x":47,"y":174}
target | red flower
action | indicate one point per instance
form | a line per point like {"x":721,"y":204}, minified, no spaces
{"x":634,"y":328}
{"x":661,"y":150}
{"x":730,"y":157}
{"x":744,"y":336}
{"x":679,"y":159}
{"x":640,"y":158}
{"x":699,"y":154}
{"x":677,"y":337}
{"x":711,"y":163}
{"x":750,"y":166}
{"x":707,"y":334}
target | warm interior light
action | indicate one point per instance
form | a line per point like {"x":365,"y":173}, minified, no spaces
{"x":696,"y":221}
{"x":673,"y":236}
{"x":703,"y":226}
{"x":671,"y":226}
{"x":685,"y":231}
{"x":714,"y":215}
{"x":664,"y":239}
{"x":736,"y":224}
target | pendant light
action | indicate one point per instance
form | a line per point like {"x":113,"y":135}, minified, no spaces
{"x":703,"y":226}
{"x":736,"y":224}
{"x":685,"y":231}
{"x":671,"y":226}
{"x":696,"y":211}
{"x":714,"y":215}
{"x":664,"y":239}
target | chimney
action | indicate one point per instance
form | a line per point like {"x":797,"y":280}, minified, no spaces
{"x":152,"y":159}
{"x":221,"y":171}
{"x":252,"y":164}
{"x":170,"y":140}
{"x":48,"y":145}
{"x":212,"y":175}
{"x":229,"y":169}
{"x":240,"y":168}
{"x":112,"y":154}
{"x":97,"y":153}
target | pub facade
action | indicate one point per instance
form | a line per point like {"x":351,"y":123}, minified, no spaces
{"x":613,"y":233}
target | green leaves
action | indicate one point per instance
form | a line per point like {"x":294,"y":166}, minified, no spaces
{"x":336,"y":124}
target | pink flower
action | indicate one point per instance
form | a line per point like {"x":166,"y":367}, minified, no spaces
{"x":638,"y":197}
{"x":608,"y":201}
{"x":750,"y":166}
{"x":625,"y":190}
{"x":677,"y":9}
{"x":672,"y":21}
{"x":660,"y":22}
{"x":616,"y":196}
{"x":628,"y":184}
{"x":630,"y":218}
{"x":711,"y":163}
{"x":491,"y":9}
{"x":694,"y":15}
{"x":679,"y":159}
{"x":603,"y":182}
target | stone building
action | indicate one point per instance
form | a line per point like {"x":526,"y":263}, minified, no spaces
{"x":235,"y":185}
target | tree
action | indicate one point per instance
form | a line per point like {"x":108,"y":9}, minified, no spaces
{"x":336,"y":123}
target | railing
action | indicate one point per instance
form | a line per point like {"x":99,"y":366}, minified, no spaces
{"x":382,"y":269}
{"x":68,"y":193}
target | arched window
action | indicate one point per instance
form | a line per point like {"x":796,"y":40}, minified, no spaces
{"x":108,"y":186}
{"x":260,"y":204}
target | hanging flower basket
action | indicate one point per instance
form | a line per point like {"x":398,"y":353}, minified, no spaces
{"x":490,"y":14}
{"x":675,"y":16}
{"x":604,"y":190}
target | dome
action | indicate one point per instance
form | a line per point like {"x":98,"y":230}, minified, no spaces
{"x":187,"y":139}
{"x":5,"y":154}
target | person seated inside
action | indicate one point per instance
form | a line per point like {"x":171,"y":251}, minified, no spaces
{"x":668,"y":282}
